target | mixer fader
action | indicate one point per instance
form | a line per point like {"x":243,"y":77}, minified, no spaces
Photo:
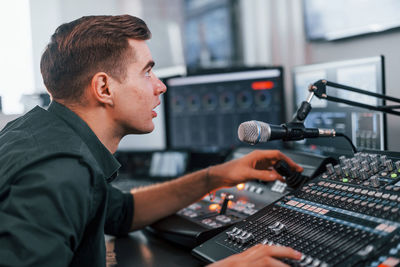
{"x":348,"y":216}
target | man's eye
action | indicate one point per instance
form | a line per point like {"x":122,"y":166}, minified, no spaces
{"x":147,"y":73}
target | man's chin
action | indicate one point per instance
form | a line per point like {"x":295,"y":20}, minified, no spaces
{"x":141,"y":131}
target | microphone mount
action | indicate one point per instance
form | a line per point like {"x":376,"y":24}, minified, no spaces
{"x":296,"y":126}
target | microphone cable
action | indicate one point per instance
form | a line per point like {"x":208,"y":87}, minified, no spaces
{"x":348,"y":140}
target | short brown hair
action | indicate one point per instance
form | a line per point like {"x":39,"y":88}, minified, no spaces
{"x":83,"y":47}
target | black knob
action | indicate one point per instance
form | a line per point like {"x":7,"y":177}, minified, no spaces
{"x":225,"y":201}
{"x":293,"y":179}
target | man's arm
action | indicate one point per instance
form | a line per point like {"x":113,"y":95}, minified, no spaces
{"x":155,"y":202}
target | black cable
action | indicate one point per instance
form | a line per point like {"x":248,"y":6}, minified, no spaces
{"x":349,"y":140}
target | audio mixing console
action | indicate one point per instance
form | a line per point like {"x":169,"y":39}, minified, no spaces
{"x":348,"y":216}
{"x":200,"y":221}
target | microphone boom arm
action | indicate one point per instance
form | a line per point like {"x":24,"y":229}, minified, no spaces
{"x":319,"y":89}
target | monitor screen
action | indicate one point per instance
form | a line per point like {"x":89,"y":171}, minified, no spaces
{"x":204,"y":111}
{"x":331,"y":20}
{"x":364,"y":127}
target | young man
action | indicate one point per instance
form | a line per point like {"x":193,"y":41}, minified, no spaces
{"x":55,"y":165}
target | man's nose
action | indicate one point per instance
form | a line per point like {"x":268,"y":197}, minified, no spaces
{"x":161,"y":87}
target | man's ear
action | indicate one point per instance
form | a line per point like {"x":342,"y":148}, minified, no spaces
{"x":100,"y":88}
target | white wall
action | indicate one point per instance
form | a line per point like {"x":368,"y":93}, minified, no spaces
{"x":43,"y":26}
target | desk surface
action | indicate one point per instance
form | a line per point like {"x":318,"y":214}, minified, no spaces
{"x":141,"y":248}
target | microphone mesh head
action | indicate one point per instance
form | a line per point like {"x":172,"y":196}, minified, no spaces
{"x":253,"y":132}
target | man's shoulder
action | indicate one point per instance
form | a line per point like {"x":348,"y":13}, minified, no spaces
{"x":36,"y":136}
{"x":58,"y":172}
{"x":37,"y":115}
{"x":39,"y":129}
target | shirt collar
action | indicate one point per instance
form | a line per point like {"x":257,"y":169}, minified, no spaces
{"x":107,"y":162}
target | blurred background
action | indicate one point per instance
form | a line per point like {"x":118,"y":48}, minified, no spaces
{"x":191,"y":34}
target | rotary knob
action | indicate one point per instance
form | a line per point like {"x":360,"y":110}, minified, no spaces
{"x":397,"y":164}
{"x":365,"y":165}
{"x":374,"y":181}
{"x":330,"y":169}
{"x":389,"y":165}
{"x":374,"y":167}
{"x":354,"y":172}
{"x":363,"y":174}
{"x":342,"y":160}
{"x":383,"y":159}
{"x":338,"y":170}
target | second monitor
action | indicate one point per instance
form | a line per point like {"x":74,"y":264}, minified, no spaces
{"x":203,"y":111}
{"x":365,"y":128}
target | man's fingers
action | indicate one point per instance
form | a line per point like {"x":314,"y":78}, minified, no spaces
{"x":274,"y":251}
{"x":263,"y":254}
{"x":267,"y":175}
{"x":291,"y":163}
{"x":282,"y":252}
{"x":275,"y":155}
{"x":253,"y":250}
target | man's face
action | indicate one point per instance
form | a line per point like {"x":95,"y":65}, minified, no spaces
{"x":138,"y":94}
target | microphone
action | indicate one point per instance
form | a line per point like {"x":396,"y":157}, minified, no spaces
{"x":254,"y":132}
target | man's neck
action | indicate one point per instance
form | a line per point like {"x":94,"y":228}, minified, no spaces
{"x":100,"y":123}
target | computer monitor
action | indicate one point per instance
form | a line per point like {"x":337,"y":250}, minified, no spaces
{"x":203,"y":111}
{"x":366,"y":128}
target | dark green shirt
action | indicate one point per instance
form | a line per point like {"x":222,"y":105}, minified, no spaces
{"x":55,"y":200}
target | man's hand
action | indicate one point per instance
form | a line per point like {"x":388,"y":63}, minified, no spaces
{"x":255,"y":165}
{"x":179,"y":193}
{"x":259,"y":255}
